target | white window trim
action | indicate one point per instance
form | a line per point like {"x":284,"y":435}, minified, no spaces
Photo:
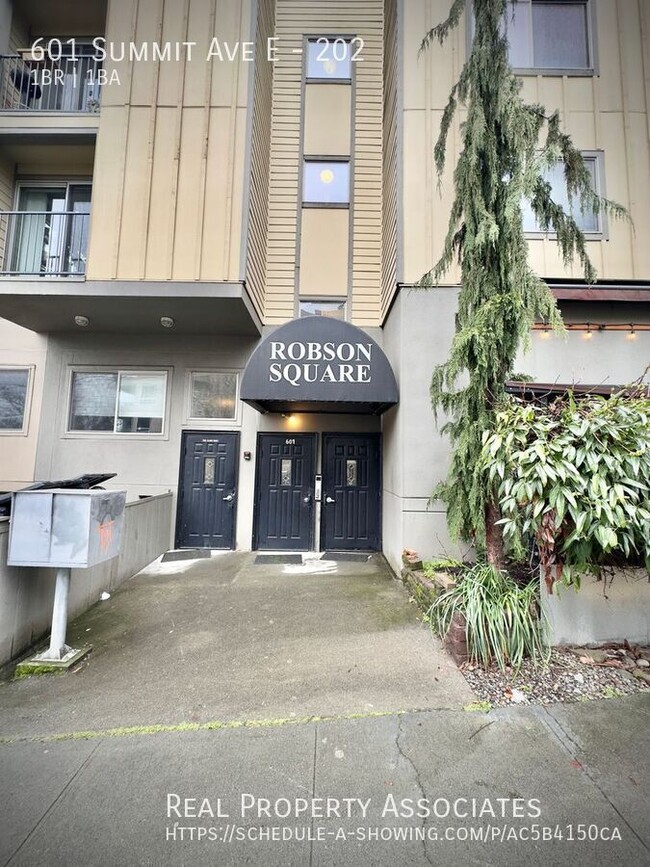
{"x":571,"y":72}
{"x":209,"y":423}
{"x":27,"y":409}
{"x":114,"y":435}
{"x":602,"y":234}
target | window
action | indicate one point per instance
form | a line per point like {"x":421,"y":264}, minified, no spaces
{"x":550,"y":34}
{"x":213,"y":395}
{"x":329,"y":58}
{"x":333,"y":309}
{"x":587,"y":221}
{"x":118,"y":401}
{"x":14,"y":391}
{"x":48,"y":231}
{"x":326,"y":183}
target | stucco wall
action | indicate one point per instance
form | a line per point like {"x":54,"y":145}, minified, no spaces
{"x":27,"y":594}
{"x":615,"y":609}
{"x":22,"y":348}
{"x":418,"y":335}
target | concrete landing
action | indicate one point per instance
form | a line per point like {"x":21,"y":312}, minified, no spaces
{"x":225,"y":638}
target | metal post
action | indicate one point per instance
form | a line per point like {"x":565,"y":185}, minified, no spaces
{"x":58,"y":647}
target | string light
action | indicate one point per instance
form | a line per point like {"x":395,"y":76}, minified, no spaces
{"x":587,"y":329}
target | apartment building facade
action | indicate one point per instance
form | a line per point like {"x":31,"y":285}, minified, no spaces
{"x":212,"y":215}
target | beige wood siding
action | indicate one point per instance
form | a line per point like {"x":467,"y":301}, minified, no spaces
{"x":608,"y":112}
{"x":169,"y":180}
{"x":390,"y":157}
{"x":260,"y":145}
{"x":324,"y":253}
{"x":294,"y":20}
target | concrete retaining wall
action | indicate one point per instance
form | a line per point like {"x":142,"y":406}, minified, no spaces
{"x":614,"y":610}
{"x":27,"y":594}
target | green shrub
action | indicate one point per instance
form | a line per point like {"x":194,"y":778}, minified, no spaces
{"x":573,"y":477}
{"x":502,"y":619}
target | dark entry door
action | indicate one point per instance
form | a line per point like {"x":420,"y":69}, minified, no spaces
{"x":208,"y":490}
{"x":284,"y":496}
{"x":351,"y":507}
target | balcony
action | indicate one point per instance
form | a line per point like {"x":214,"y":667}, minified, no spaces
{"x":44,"y":244}
{"x":69,"y":84}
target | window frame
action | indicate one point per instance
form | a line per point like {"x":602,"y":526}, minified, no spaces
{"x":602,"y":233}
{"x":27,"y":407}
{"x":575,"y":72}
{"x":307,"y":203}
{"x":68,"y":433}
{"x":331,"y":37}
{"x":208,"y":423}
{"x":340,"y":299}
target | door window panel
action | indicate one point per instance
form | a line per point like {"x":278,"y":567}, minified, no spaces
{"x":285,"y":473}
{"x":208,"y":471}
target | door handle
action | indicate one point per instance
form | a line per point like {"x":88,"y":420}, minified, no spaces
{"x":329,"y":500}
{"x":307,"y":499}
{"x":229,"y":498}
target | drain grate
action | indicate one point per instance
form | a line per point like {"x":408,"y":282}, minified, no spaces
{"x":281,"y":559}
{"x":187,"y":554}
{"x":347,"y":556}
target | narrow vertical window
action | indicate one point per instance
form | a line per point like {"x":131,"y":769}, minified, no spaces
{"x":285,"y":473}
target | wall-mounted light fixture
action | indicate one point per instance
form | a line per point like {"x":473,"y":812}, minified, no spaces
{"x":82,"y":321}
{"x":167,"y":322}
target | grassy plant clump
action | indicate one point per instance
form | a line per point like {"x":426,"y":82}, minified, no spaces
{"x":503,"y":623}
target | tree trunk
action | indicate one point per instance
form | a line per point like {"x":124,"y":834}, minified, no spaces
{"x":494,"y":537}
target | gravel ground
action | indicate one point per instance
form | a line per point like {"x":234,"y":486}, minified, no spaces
{"x":572,"y":674}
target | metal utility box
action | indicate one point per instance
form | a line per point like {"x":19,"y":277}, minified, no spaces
{"x":62,"y":528}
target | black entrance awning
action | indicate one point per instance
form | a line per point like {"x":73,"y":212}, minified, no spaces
{"x":319,"y":364}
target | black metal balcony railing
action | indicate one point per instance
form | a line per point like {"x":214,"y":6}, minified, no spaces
{"x":50,"y":85}
{"x":44,"y":243}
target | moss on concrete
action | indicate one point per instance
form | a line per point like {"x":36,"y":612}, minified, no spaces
{"x":23,"y":670}
{"x":212,"y":725}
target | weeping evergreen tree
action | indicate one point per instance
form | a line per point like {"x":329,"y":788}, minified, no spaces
{"x":508,"y":148}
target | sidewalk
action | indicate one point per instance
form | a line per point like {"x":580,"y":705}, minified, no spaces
{"x":103,"y":801}
{"x":220,"y":679}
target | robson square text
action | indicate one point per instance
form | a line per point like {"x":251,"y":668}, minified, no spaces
{"x":320,"y":362}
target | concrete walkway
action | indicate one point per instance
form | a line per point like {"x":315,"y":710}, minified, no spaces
{"x":227,"y":638}
{"x":198,"y":687}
